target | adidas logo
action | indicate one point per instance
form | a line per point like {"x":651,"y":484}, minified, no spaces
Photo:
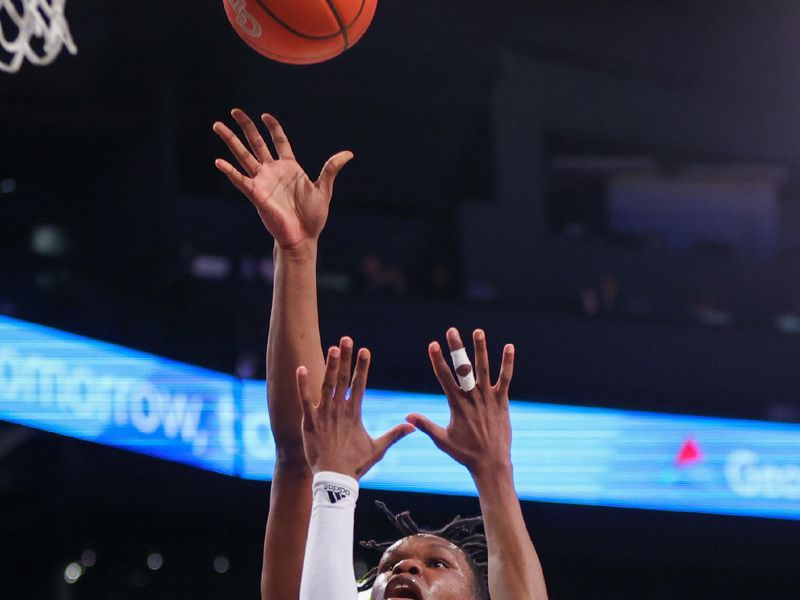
{"x":334,"y":497}
{"x":335,"y":493}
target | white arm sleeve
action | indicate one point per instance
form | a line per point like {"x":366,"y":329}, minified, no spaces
{"x":328,"y":564}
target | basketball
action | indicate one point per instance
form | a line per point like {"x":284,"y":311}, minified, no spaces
{"x":300,"y":32}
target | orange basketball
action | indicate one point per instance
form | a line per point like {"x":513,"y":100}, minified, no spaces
{"x":300,"y":31}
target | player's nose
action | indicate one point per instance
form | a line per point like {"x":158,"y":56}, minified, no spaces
{"x":408,"y":565}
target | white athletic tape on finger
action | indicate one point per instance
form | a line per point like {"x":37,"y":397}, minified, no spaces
{"x":460,"y":359}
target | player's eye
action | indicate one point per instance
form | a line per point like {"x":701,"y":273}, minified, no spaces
{"x":387,"y":566}
{"x":437,"y":563}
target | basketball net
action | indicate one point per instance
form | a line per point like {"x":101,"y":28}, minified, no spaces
{"x":32,"y":29}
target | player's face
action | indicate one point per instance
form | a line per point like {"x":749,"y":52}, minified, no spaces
{"x":423,"y":567}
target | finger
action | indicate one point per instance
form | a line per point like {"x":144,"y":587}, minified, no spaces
{"x":383,"y":443}
{"x":481,"y":357}
{"x":253,"y":136}
{"x":234,"y":144}
{"x":461,"y":363}
{"x":329,"y":378}
{"x":443,"y":373}
{"x":343,"y":376}
{"x":506,"y":370}
{"x":282,"y":145}
{"x":306,"y":403}
{"x":391,"y":437}
{"x":239,"y":181}
{"x":359,"y":383}
{"x":330,"y":170}
{"x":454,"y":339}
{"x":432,"y":430}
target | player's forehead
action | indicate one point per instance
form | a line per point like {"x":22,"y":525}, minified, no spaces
{"x":422,"y":543}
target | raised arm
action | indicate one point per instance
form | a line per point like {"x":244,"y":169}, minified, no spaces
{"x":479,"y":437}
{"x":339,"y":451}
{"x":294,"y":210}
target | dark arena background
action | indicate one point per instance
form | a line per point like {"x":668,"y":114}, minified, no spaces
{"x":612,"y":186}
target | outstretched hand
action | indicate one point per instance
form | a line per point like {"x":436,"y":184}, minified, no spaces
{"x":334,"y":437}
{"x":479,"y":433}
{"x":293,"y":208}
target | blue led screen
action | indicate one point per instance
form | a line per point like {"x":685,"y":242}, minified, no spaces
{"x":103,"y":393}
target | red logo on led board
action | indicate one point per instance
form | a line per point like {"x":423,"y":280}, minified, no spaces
{"x":689,"y":453}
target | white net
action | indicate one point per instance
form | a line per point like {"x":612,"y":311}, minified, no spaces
{"x":35,"y":30}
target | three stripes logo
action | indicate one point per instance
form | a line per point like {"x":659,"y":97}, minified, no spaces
{"x":335,"y":492}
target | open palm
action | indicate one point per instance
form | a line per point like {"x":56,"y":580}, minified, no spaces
{"x":334,"y":436}
{"x":479,"y":433}
{"x":292,"y":207}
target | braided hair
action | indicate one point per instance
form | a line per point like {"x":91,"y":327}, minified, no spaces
{"x":461,"y":532}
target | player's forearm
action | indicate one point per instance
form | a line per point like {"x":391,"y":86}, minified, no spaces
{"x":328,"y":563}
{"x":515,"y":572}
{"x":285,"y":537}
{"x":294,"y":340}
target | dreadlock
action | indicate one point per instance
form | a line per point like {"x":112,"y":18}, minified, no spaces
{"x":461,"y":532}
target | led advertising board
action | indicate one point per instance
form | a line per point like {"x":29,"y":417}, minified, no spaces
{"x":111,"y":395}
